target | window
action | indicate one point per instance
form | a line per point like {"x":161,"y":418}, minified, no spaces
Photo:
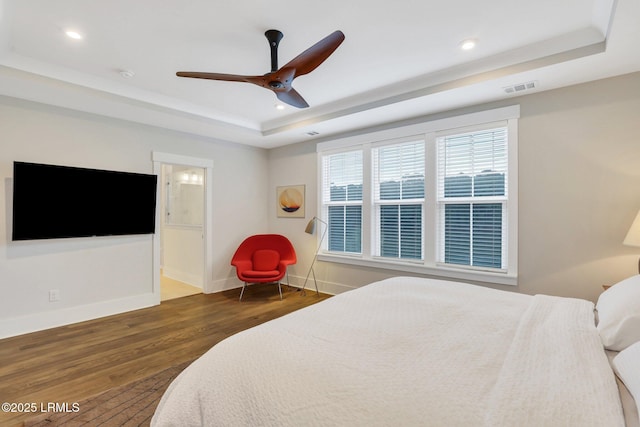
{"x":398,"y":176}
{"x":472,"y":198}
{"x":342,"y":200}
{"x":438,"y":198}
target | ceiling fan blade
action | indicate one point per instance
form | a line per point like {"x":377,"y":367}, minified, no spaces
{"x":292,"y":97}
{"x":311,"y":58}
{"x":256,"y":80}
{"x":216,"y":76}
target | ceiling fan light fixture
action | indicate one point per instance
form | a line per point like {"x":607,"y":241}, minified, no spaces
{"x":468,"y":44}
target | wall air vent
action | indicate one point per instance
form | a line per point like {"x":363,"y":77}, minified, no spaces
{"x":521,"y":87}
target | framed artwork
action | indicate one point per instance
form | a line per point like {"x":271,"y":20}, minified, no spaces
{"x":290,"y":201}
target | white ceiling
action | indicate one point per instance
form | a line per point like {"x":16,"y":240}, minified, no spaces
{"x":400,"y":60}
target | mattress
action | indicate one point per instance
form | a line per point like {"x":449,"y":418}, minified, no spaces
{"x":407,"y":351}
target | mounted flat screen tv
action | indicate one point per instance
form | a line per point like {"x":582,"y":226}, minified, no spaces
{"x":53,"y":202}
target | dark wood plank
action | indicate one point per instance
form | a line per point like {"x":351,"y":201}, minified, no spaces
{"x":73,"y":362}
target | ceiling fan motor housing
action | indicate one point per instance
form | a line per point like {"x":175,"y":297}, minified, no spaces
{"x":274,"y":37}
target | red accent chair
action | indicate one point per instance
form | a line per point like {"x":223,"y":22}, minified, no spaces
{"x":263,"y":258}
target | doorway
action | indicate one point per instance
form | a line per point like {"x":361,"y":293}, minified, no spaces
{"x":181,"y":231}
{"x":181,"y":265}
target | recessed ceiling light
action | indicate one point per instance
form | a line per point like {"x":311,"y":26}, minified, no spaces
{"x":279,"y":107}
{"x":468,"y":44}
{"x":73,"y":34}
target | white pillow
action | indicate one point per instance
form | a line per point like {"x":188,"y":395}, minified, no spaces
{"x":627,"y":366}
{"x":619,"y":314}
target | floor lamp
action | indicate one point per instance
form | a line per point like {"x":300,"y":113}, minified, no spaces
{"x":311,"y":229}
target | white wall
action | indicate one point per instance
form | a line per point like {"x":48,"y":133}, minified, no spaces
{"x":101,"y":276}
{"x":579,"y":178}
{"x":183,"y":252}
{"x":579,"y":172}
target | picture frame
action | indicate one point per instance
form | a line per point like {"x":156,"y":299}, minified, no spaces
{"x":290,"y":201}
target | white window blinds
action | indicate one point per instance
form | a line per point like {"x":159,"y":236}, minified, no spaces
{"x":342,"y":200}
{"x":437,"y":198}
{"x":398,"y":178}
{"x":472,"y":196}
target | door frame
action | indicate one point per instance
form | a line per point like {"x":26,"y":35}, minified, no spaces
{"x":159,"y":159}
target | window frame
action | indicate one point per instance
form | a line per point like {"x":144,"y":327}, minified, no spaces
{"x":377,"y":202}
{"x":442,"y":200}
{"x":327,"y":204}
{"x":428,"y":131}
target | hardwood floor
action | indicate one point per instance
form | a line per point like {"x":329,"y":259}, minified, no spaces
{"x":172,"y":289}
{"x":73,"y":362}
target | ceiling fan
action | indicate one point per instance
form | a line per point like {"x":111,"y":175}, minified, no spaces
{"x":279,"y":79}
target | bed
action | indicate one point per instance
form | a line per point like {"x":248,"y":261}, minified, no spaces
{"x":412,"y":351}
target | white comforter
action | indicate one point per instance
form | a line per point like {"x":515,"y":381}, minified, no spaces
{"x":406,"y":352}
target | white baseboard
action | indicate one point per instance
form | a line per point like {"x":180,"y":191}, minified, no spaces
{"x":325,"y":287}
{"x":183,"y":276}
{"x":223,"y":285}
{"x":330,"y":288}
{"x":66,"y":316}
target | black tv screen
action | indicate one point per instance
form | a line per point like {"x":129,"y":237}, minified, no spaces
{"x":52,"y":202}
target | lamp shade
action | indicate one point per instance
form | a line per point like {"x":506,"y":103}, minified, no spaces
{"x":311,"y":226}
{"x":633,"y":235}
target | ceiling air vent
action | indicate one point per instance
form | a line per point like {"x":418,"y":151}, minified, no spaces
{"x":521,"y":87}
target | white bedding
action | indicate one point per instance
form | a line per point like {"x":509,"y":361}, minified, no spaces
{"x":406,"y":351}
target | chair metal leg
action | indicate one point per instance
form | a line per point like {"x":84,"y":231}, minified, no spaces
{"x":245,"y":285}
{"x":242,"y":292}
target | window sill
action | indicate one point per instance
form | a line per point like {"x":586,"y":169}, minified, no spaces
{"x":419,"y":268}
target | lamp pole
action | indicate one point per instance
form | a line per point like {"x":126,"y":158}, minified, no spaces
{"x":311,"y":228}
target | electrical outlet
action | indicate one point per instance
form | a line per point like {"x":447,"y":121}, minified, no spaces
{"x":54,"y":295}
